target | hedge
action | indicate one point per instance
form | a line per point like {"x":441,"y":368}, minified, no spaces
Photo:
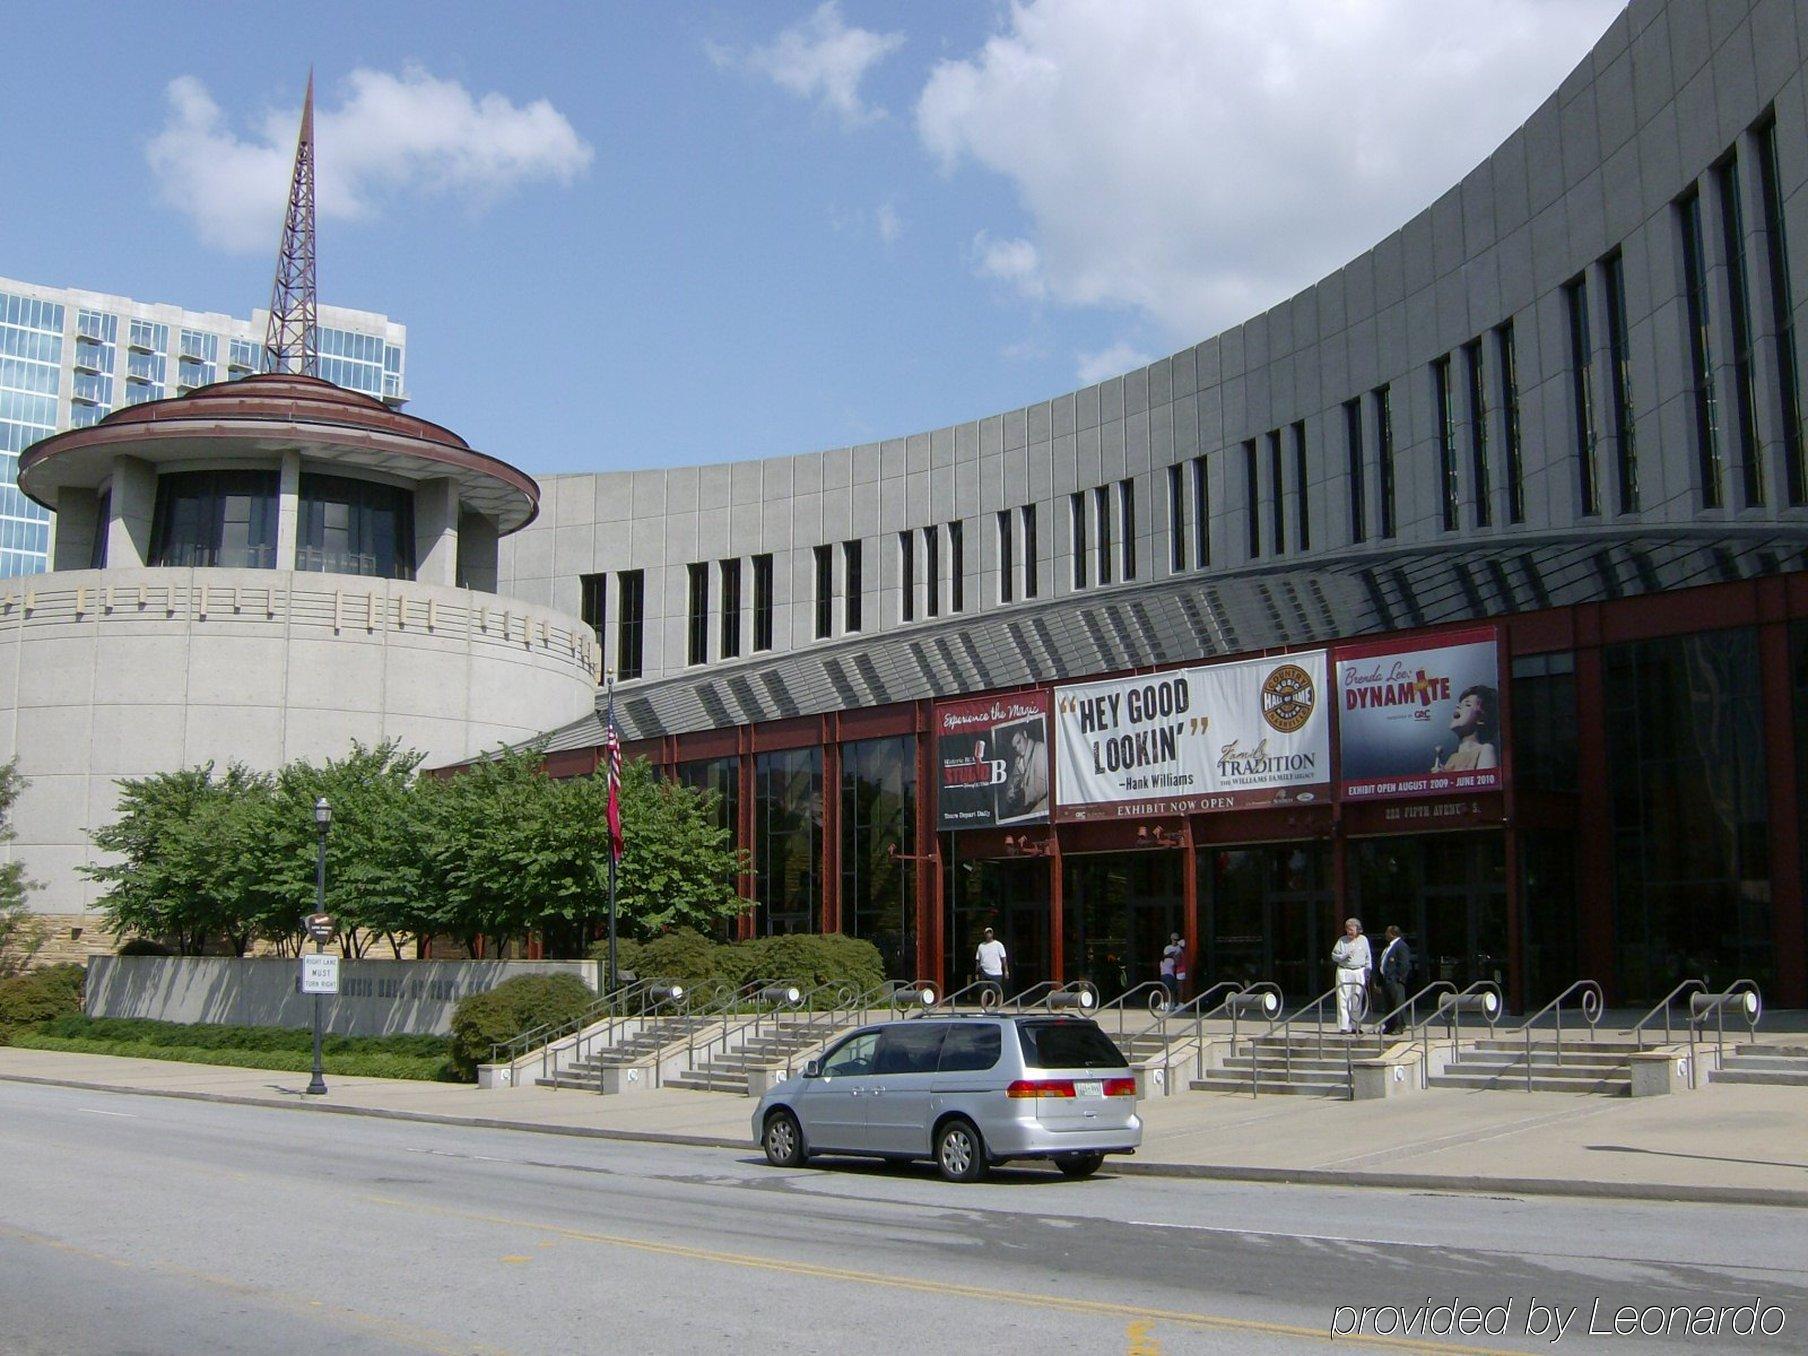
{"x":360,"y":1064}
{"x":495,"y":1017}
{"x":38,"y":996}
{"x":802,"y":958}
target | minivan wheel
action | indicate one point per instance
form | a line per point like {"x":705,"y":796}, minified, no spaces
{"x":784,"y":1141}
{"x":960,"y":1153}
{"x":1080,"y":1165}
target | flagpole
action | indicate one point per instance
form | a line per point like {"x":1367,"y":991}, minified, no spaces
{"x":610,"y":986}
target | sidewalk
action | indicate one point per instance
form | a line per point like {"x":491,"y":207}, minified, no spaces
{"x":1725,"y":1142}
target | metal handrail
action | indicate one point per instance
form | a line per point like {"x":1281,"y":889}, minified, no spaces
{"x":1316,"y":1008}
{"x":1216,"y":999}
{"x":1663,"y":1009}
{"x":1450,"y":1008}
{"x":1716,"y":1004}
{"x":1591,"y":1003}
{"x":1415,"y":1024}
{"x":1159,"y":1001}
{"x":727,"y":1004}
{"x":984,"y":986}
{"x":548,"y":1034}
{"x":856,"y":1002}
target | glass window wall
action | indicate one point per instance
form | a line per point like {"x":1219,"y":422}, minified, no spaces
{"x":223,"y":518}
{"x":878,"y":816}
{"x":355,"y":527}
{"x":787,"y":827}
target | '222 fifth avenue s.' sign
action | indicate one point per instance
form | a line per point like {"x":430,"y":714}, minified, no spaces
{"x":1222,"y":737}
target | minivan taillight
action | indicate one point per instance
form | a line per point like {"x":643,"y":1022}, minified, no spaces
{"x":1041,"y":1087}
{"x":1120,"y":1087}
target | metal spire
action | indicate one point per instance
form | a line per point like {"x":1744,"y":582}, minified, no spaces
{"x":290,"y":344}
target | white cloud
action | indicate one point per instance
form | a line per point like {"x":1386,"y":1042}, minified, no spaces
{"x":823,"y":59}
{"x":1199,"y":160}
{"x":888,"y":223}
{"x":1012,"y":261}
{"x":392,"y":134}
{"x":1110,"y":362}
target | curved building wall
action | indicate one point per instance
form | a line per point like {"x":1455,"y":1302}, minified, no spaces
{"x":125,"y":672}
{"x":1585,"y":205}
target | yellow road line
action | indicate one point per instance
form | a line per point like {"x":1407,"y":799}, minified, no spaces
{"x":1060,"y":1303}
{"x":422,"y":1339}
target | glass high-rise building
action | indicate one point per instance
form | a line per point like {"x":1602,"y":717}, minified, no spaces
{"x":69,"y":357}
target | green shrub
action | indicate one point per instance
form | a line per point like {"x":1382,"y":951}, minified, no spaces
{"x":627,"y":956}
{"x":352,"y":1064}
{"x":683,"y":955}
{"x":144,"y":946}
{"x":214,"y":1036}
{"x":805,"y":959}
{"x":486,"y":1020}
{"x":38,"y":996}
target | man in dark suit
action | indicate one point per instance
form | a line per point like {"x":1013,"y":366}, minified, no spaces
{"x":1395,"y":966}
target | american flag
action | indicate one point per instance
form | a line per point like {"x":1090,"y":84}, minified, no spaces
{"x":612,"y":744}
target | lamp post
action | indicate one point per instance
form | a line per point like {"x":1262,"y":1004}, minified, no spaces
{"x":323,"y":821}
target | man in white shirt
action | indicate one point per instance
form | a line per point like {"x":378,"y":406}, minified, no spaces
{"x":993,"y":965}
{"x":1354,"y":961}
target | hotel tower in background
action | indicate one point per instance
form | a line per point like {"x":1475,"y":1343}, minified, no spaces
{"x":69,"y":357}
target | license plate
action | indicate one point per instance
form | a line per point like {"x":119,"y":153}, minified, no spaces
{"x":1089,"y":1089}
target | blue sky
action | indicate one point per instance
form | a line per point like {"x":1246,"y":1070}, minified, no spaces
{"x":640,"y":235}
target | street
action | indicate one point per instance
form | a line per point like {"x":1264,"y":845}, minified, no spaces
{"x":144,"y":1224}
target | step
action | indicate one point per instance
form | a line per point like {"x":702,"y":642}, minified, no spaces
{"x":701,"y":1082}
{"x":1781,"y":1078}
{"x":1274,"y":1065}
{"x":1767,"y":1061}
{"x":1773,"y":1051}
{"x":1297,"y":1088}
{"x":1516,"y":1082}
{"x":1480,"y":1060}
{"x":1621,"y":1049}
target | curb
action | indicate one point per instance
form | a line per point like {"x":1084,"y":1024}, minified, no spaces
{"x":1324,"y":1177}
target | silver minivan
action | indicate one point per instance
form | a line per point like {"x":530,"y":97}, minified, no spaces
{"x":968,"y":1092}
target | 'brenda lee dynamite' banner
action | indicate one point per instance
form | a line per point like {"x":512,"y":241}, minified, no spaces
{"x":1219,"y":738}
{"x":1418,"y":720}
{"x":991,"y":758}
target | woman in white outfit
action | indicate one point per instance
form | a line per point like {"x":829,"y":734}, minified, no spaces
{"x":1351,"y":955}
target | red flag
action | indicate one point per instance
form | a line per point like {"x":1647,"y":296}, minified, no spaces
{"x":612,"y":747}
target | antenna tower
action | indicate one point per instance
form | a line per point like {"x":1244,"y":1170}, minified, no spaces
{"x":290,"y":344}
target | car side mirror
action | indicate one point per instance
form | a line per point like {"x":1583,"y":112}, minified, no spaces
{"x":813,"y":1069}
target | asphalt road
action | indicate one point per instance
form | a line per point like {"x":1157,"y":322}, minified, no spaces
{"x":143,"y":1224}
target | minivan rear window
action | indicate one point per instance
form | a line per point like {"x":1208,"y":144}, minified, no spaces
{"x":1068,"y":1045}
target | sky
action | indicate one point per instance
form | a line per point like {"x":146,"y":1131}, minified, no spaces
{"x":636,"y":235}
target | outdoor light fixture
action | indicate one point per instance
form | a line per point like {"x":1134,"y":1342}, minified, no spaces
{"x":1025,"y":846}
{"x":1155,"y":835}
{"x":323,"y":816}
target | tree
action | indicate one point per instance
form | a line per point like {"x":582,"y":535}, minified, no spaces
{"x":21,"y":935}
{"x":679,"y":865}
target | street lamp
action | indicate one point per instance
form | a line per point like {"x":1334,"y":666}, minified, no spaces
{"x":323,"y":821}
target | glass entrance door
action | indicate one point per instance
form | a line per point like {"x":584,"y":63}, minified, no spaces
{"x":1447,"y":893}
{"x":1120,"y":908}
{"x":1012,"y":898}
{"x":1267,"y":915}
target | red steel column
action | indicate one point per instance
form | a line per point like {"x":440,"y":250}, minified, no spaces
{"x":1189,"y":890}
{"x":1782,"y":775}
{"x":1594,"y":825}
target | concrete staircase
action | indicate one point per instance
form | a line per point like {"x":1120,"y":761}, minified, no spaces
{"x":772,"y":1049}
{"x":1293,"y":1064}
{"x":1588,"y":1066}
{"x":1782,"y":1065}
{"x":644,"y":1047}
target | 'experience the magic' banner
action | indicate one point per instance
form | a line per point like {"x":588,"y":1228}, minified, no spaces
{"x":1225,"y":737}
{"x":991,"y":760}
{"x":1420,"y":719}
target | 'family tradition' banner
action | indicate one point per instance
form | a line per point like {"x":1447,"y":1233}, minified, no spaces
{"x":1417,"y":719}
{"x":991,"y":759}
{"x":1229,"y":736}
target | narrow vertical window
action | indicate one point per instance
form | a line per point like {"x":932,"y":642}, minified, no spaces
{"x":731,"y":608}
{"x":1352,"y":433}
{"x":1007,"y":559}
{"x":1782,"y":315}
{"x":1277,"y":477}
{"x":957,"y":567}
{"x":853,"y":584}
{"x":1732,"y":229}
{"x":825,"y":592}
{"x":1202,"y":518}
{"x":1301,"y":479}
{"x":1076,"y":508}
{"x":1176,"y":522}
{"x":630,"y":610}
{"x":1126,"y":502}
{"x":1101,"y":504}
{"x":1701,"y":351}
{"x":762,"y":602}
{"x":907,"y":576}
{"x":1446,"y":419}
{"x":1252,"y":498}
{"x":1475,"y":374}
{"x":1509,"y":421}
{"x":1029,"y":550}
{"x":593,"y":599}
{"x":932,"y":572}
{"x":1581,"y":370}
{"x":697,"y":615}
{"x":1619,"y":356}
{"x":1384,"y":456}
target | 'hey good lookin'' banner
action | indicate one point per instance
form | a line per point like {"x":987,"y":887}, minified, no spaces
{"x":1224,"y":737}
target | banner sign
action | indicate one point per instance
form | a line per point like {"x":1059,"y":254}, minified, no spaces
{"x":1418,"y":719}
{"x":1224,"y":737}
{"x":991,"y":759}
